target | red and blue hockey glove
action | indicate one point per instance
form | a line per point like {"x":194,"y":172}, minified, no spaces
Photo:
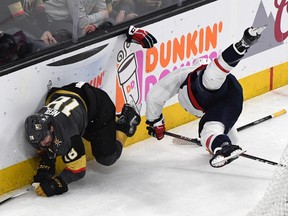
{"x":156,"y":128}
{"x":140,"y":36}
{"x":55,"y":186}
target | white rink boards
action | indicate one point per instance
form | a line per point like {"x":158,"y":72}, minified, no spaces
{"x":170,"y":178}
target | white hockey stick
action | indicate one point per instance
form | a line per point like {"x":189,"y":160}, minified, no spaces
{"x":197,"y":141}
{"x":262,"y":160}
{"x":16,"y":195}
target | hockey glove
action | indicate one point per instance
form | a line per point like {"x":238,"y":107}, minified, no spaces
{"x":52,"y":187}
{"x":156,"y":128}
{"x":46,"y":169}
{"x":43,"y":174}
{"x":140,"y":36}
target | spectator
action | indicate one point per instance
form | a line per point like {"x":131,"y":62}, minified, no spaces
{"x":8,"y":48}
{"x":28,"y":17}
{"x":122,"y":10}
{"x":35,"y":11}
{"x":22,"y":27}
{"x":92,"y":14}
{"x":147,"y":6}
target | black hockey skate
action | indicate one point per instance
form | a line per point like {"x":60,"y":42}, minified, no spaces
{"x":129,"y":119}
{"x":250,"y":37}
{"x":225,"y":155}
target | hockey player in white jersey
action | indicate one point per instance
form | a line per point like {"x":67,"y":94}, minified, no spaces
{"x":209,"y":91}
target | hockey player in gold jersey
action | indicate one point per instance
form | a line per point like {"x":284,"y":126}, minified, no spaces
{"x":74,"y":111}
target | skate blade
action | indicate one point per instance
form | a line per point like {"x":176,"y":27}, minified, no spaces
{"x":259,"y":30}
{"x":217,"y":163}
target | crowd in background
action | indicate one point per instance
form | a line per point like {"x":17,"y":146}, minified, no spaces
{"x":28,"y":26}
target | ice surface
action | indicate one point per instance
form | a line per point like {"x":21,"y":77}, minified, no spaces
{"x":173,"y":178}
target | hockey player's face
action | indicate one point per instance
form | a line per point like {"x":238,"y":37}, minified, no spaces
{"x":46,"y":141}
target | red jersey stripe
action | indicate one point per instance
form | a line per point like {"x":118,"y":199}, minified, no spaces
{"x":208,"y":144}
{"x":219,"y":66}
{"x":76,"y":171}
{"x":192,"y":99}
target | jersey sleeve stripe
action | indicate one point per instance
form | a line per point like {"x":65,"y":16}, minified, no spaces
{"x":219,"y":66}
{"x":76,"y":171}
